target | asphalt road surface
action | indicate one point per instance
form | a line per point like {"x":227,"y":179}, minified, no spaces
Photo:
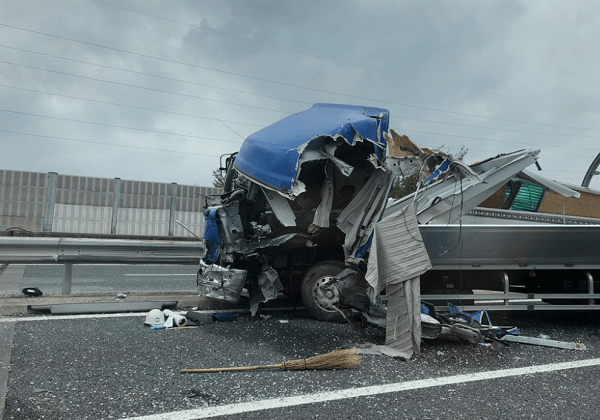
{"x":88,"y":278}
{"x":114,"y":367}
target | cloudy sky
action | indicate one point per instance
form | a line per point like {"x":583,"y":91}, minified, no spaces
{"x":157,"y":90}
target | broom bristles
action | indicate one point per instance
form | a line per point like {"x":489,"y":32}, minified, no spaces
{"x":337,"y":359}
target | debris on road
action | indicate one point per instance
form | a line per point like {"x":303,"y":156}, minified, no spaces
{"x":224,"y":317}
{"x":337,"y":359}
{"x":32,"y":291}
{"x":174,"y":319}
{"x":199,"y":318}
{"x":543,"y":342}
{"x":471,"y":327}
{"x":382,"y":350}
{"x":155,"y":318}
{"x":102,"y":307}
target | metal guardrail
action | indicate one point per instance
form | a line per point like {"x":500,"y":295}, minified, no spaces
{"x":69,"y":251}
{"x":24,"y":250}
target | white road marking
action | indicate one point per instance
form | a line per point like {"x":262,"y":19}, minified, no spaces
{"x":278,"y":403}
{"x":161,"y":275}
{"x":132,"y":314}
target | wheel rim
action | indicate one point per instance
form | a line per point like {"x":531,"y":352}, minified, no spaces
{"x":325,"y":297}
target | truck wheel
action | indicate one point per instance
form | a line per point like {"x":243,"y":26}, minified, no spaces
{"x":318,"y":300}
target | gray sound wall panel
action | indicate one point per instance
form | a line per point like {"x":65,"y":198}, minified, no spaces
{"x":85,"y":204}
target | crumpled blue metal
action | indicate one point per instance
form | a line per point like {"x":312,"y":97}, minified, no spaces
{"x":211,"y":236}
{"x":270,"y":156}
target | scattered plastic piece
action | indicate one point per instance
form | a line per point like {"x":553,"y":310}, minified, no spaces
{"x":283,"y":321}
{"x":543,"y":342}
{"x":199,"y":318}
{"x":32,"y":291}
{"x":224,"y":317}
{"x":174,"y":319}
{"x":155,"y":318}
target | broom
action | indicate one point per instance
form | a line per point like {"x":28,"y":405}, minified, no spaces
{"x":337,"y":359}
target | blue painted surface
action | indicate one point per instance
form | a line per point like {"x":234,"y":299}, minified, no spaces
{"x":442,"y":169}
{"x":211,"y":236}
{"x":270,"y":155}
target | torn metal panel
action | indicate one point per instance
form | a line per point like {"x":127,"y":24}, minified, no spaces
{"x":382,"y":350}
{"x":262,"y":243}
{"x":358,"y":219}
{"x":543,"y":342}
{"x":220,"y":283}
{"x":551,"y":185}
{"x":397,"y":258}
{"x":403,"y":320}
{"x":270,"y":156}
{"x":281,"y":208}
{"x":270,"y":284}
{"x":398,"y":252}
{"x":323,"y":211}
{"x":401,"y":145}
{"x":445,"y":201}
{"x":328,"y":151}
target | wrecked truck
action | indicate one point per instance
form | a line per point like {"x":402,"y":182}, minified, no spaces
{"x":300,"y":203}
{"x":306,"y":212}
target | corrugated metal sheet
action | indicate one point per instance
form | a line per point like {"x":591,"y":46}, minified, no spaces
{"x":398,"y":252}
{"x":81,"y":219}
{"x":194,"y":221}
{"x":397,"y":258}
{"x":403,"y":319}
{"x":22,"y":197}
{"x":143,"y":222}
{"x":84,"y":204}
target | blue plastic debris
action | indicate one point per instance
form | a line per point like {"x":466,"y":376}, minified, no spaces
{"x":224,"y":317}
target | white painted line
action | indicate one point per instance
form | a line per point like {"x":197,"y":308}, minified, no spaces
{"x":480,"y":302}
{"x":159,"y":275}
{"x":132,"y":314}
{"x":278,"y":403}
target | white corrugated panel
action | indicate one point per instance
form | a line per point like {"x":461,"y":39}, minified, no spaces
{"x":396,"y":260}
{"x":398,"y":252}
{"x":194,"y":221}
{"x":403,"y":319}
{"x":147,"y":222}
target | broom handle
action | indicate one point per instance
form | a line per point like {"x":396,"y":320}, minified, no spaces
{"x":229,"y":369}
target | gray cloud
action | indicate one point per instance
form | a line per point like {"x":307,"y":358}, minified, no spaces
{"x":530,"y":61}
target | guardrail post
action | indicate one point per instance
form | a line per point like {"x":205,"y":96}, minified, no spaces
{"x":506,"y":284}
{"x":50,"y":201}
{"x":116,"y":201}
{"x":173,"y":212}
{"x":67,"y":278}
{"x":590,"y":280}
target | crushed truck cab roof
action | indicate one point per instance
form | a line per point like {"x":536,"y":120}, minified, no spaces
{"x":272,"y":156}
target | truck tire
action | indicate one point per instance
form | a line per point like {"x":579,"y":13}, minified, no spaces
{"x":318,"y":274}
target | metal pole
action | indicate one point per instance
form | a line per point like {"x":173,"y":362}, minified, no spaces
{"x":116,"y":201}
{"x":590,"y":280}
{"x":50,"y":201}
{"x":173,"y":212}
{"x":506,"y":284}
{"x":67,"y":278}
